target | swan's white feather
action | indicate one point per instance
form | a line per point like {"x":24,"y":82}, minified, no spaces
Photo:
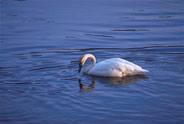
{"x":115,"y":67}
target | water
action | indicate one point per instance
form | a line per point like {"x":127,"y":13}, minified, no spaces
{"x":41,"y":42}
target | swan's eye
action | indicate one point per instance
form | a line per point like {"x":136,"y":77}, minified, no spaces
{"x":80,"y":64}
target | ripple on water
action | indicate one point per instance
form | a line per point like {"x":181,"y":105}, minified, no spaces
{"x":52,"y":90}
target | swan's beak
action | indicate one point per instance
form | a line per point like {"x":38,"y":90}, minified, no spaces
{"x":80,"y":67}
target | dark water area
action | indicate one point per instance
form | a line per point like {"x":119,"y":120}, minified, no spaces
{"x":42,"y":40}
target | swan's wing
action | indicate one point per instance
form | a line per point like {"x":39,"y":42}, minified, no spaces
{"x":115,"y":67}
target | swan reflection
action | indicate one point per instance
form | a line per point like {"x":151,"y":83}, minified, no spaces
{"x":113,"y":82}
{"x":91,"y":86}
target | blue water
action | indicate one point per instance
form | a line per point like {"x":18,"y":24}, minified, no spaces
{"x":42,"y":40}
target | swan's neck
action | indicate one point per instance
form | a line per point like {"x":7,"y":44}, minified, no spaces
{"x":86,"y":69}
{"x":92,"y":57}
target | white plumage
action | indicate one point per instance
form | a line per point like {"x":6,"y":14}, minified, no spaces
{"x":114,"y":67}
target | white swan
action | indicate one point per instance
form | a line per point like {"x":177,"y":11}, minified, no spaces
{"x":114,"y":67}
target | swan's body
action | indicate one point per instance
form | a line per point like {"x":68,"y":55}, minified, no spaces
{"x":114,"y":67}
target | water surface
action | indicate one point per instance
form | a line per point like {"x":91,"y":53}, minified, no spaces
{"x":41,"y":42}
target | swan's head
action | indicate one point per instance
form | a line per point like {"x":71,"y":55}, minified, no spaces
{"x":81,"y":63}
{"x":83,"y":59}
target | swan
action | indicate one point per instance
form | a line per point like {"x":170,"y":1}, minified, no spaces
{"x":114,"y":67}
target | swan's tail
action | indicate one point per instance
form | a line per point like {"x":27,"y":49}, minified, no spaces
{"x":142,"y":71}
